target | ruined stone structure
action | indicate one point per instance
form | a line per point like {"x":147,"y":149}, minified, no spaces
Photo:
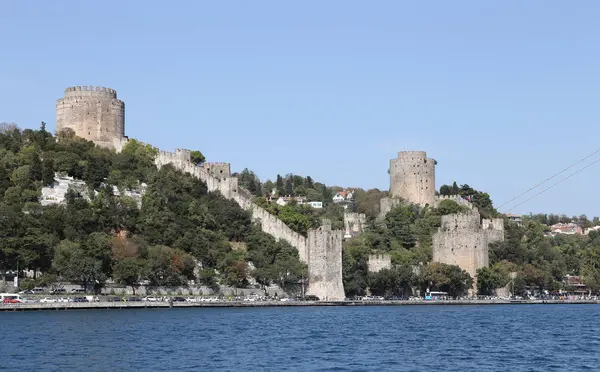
{"x":354,"y":223}
{"x":463,"y":240}
{"x":378,"y":262}
{"x":92,"y":113}
{"x":322,"y":250}
{"x":412,"y":177}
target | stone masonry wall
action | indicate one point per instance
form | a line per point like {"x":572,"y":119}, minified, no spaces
{"x":386,"y":205}
{"x":354,"y":223}
{"x":412,"y":177}
{"x":228,"y":187}
{"x":464,"y":241}
{"x":457,"y":199}
{"x":325,"y":263}
{"x":378,"y":262}
{"x":322,"y":250}
{"x":92,"y":113}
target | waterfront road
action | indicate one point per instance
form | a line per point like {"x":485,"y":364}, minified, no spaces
{"x":142,"y":304}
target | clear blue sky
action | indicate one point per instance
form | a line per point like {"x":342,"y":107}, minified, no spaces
{"x":502,"y":93}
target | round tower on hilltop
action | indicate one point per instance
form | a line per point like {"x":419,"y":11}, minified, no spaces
{"x":94,"y":114}
{"x":412,"y":177}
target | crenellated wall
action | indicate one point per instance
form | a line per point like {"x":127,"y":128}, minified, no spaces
{"x":93,"y":113}
{"x":322,"y":250}
{"x":463,"y":239}
{"x":456,"y":198}
{"x":354,"y":223}
{"x":378,"y":262}
{"x":218,"y":170}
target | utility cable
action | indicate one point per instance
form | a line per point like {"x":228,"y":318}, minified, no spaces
{"x":548,"y":179}
{"x":549,"y":187}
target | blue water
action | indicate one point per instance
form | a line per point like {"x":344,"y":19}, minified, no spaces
{"x":404,"y":338}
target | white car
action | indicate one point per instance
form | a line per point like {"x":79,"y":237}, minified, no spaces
{"x":48,"y":300}
{"x":151,"y":299}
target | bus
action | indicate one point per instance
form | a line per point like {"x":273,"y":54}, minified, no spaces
{"x":10,"y":298}
{"x":432,"y":296}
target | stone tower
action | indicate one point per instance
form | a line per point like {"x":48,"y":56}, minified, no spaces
{"x":463,"y":240}
{"x":324,"y":247}
{"x":412,"y":178}
{"x":94,"y":114}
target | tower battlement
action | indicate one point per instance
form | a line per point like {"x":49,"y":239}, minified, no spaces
{"x":78,"y":91}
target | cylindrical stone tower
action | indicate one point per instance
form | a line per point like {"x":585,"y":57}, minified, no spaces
{"x":412,"y":177}
{"x":94,"y":114}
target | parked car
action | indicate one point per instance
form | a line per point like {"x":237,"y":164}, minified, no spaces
{"x":114,"y":299}
{"x":48,"y":300}
{"x":178,"y":299}
{"x":11,"y":301}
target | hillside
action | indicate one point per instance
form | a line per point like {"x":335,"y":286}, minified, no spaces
{"x":98,"y":235}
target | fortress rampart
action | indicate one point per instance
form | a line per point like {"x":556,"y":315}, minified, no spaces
{"x":93,"y":113}
{"x":378,"y":262}
{"x":325,"y":263}
{"x":455,"y":198}
{"x":322,"y":250}
{"x":218,"y":169}
{"x":354,"y":223}
{"x":463,"y":240}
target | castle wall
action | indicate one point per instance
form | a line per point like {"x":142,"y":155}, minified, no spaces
{"x":385,"y":206}
{"x":95,"y":114}
{"x":456,"y":198}
{"x":378,"y":262}
{"x":412,"y":177}
{"x":463,"y":240}
{"x":218,"y":170}
{"x":355,"y":223}
{"x":324,"y":244}
{"x":325,"y":263}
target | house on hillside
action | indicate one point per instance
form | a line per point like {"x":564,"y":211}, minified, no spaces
{"x":565,"y":228}
{"x":285,"y":200}
{"x":590,"y":229}
{"x":343,"y":196}
{"x":315,"y":204}
{"x":514,"y":217}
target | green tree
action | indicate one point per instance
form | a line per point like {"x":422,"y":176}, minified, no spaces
{"x":72,"y":263}
{"x":128,"y":271}
{"x":446,"y":278}
{"x":197,"y":157}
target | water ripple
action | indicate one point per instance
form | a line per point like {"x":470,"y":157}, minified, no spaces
{"x":412,"y":338}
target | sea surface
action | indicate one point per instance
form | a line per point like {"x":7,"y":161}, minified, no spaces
{"x":391,"y":338}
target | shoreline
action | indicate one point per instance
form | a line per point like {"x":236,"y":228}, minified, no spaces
{"x":239,"y":304}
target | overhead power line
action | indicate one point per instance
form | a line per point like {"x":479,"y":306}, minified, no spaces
{"x":548,"y":179}
{"x":549,"y":187}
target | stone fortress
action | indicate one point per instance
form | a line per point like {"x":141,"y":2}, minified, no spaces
{"x":462,"y":239}
{"x":94,"y":114}
{"x":97,"y":115}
